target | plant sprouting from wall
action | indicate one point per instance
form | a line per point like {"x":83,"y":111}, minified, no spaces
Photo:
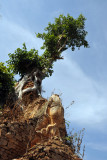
{"x":66,"y":32}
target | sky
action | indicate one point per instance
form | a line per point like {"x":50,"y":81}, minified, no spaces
{"x":81,"y":77}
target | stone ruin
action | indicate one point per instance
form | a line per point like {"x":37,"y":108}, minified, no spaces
{"x":34,"y":129}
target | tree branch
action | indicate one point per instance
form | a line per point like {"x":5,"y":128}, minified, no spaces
{"x":63,"y":46}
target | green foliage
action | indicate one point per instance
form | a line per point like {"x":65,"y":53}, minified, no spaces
{"x":22,"y":60}
{"x":6,"y":82}
{"x":66,"y":32}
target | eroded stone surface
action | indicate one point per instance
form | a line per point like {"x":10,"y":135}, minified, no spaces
{"x":53,"y":149}
{"x":41,"y":120}
{"x":14,"y":139}
{"x":51,"y":123}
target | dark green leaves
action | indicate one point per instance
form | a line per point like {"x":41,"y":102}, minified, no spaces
{"x":22,"y":61}
{"x":6,"y":82}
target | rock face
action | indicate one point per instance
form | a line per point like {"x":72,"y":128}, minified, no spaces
{"x":34,"y":129}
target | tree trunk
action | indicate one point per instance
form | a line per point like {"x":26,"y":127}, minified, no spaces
{"x":36,"y":76}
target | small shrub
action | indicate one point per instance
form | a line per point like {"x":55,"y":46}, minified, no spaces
{"x":74,"y":140}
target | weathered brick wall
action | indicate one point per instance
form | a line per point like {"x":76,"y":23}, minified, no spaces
{"x":37,"y":122}
{"x":14,"y":138}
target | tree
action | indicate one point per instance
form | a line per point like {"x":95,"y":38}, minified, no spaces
{"x":6,"y":83}
{"x":66,"y":32}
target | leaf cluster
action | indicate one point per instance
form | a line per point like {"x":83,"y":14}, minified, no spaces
{"x":23,"y":62}
{"x":6,"y":82}
{"x":66,"y":32}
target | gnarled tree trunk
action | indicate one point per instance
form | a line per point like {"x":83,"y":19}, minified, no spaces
{"x":36,"y":77}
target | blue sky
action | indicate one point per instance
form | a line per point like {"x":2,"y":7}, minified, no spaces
{"x":81,"y":76}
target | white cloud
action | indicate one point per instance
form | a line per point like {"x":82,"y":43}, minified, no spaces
{"x":90,"y":104}
{"x":13,"y":36}
{"x":98,"y":146}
